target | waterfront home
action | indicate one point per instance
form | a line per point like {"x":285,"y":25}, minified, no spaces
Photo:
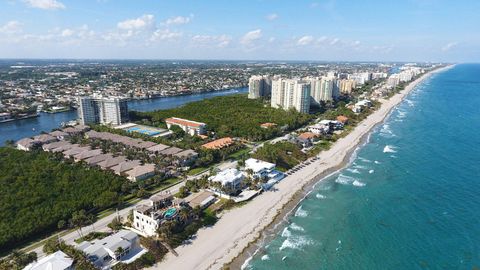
{"x":230,"y":181}
{"x":190,"y":127}
{"x":159,"y":208}
{"x":218,"y":144}
{"x":60,"y":135}
{"x":50,"y":147}
{"x":359,"y":106}
{"x":306,"y":139}
{"x":106,"y":252}
{"x":319,"y":129}
{"x":44,"y":138}
{"x":202,"y":199}
{"x":140,"y":172}
{"x":54,"y":261}
{"x":332,"y":124}
{"x":26,"y":144}
{"x":258,"y":167}
{"x":342,"y":119}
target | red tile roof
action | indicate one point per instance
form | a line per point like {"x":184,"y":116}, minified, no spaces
{"x":307,"y":135}
{"x":183,"y":122}
{"x":218,"y":144}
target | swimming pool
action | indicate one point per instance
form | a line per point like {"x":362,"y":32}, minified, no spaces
{"x":171,"y":212}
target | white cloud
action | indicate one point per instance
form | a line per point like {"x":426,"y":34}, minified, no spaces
{"x":216,"y":41}
{"x":334,"y":41}
{"x":144,"y":22}
{"x":165,"y":35}
{"x":178,"y":20}
{"x":67,"y":33}
{"x":449,"y":46}
{"x":251,"y":37}
{"x":45,"y":4}
{"x":305,"y":40}
{"x":272,"y":17}
{"x":11,"y":27}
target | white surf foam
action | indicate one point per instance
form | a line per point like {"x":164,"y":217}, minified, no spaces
{"x":353,"y":170}
{"x":265,"y":257}
{"x":301,"y":213}
{"x":364,"y":160}
{"x":344,"y":179}
{"x":358,"y":183}
{"x":389,"y":149}
{"x":371,"y":171}
{"x":386,"y":131}
{"x":320,"y":196}
{"x":295,"y":242}
{"x":401,"y":114}
{"x":286,"y":233}
{"x":377,"y":162}
{"x":296,"y":227}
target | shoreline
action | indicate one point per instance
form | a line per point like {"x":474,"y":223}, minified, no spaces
{"x":234,"y":238}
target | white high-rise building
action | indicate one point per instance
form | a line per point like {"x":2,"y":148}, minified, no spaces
{"x":288,"y":93}
{"x":301,"y":96}
{"x":111,"y":111}
{"x":278,"y":93}
{"x":361,"y":78}
{"x":324,"y":89}
{"x":346,"y":86}
{"x":259,"y":86}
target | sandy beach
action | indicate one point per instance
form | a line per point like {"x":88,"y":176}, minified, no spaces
{"x":217,"y":246}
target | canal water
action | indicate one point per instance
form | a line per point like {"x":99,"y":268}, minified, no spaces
{"x":18,"y":129}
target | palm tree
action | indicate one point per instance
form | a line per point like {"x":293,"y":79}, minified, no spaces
{"x":184,"y":215}
{"x":119,"y":252}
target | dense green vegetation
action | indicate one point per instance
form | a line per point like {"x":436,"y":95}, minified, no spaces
{"x":285,"y":154}
{"x":41,"y":191}
{"x":17,"y":260}
{"x":235,"y":116}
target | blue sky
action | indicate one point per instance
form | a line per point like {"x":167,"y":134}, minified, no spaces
{"x":367,"y":30}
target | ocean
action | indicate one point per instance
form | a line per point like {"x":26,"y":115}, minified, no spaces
{"x":409,"y":198}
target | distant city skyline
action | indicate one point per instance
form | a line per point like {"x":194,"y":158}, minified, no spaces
{"x":323,"y":30}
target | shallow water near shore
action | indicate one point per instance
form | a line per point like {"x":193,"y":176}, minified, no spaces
{"x":408,"y":200}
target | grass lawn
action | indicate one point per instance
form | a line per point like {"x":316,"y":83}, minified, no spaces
{"x":237,"y":155}
{"x":197,"y":170}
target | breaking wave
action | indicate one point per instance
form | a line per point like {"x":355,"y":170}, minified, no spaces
{"x":301,"y":213}
{"x":358,"y":183}
{"x":295,"y":242}
{"x":389,"y":149}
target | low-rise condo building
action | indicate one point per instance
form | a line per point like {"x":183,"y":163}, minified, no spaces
{"x":190,"y":127}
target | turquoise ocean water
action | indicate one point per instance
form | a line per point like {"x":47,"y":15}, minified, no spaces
{"x":410,"y":199}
